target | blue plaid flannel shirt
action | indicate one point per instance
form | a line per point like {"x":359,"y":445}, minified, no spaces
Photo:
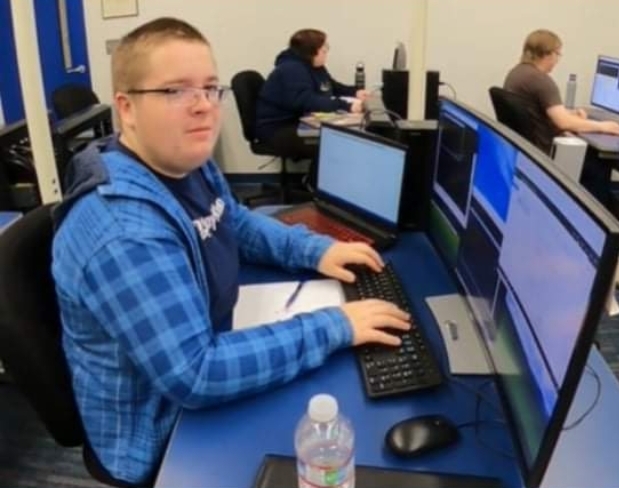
{"x":133,"y":297}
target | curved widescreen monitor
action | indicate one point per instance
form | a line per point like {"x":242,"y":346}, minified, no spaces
{"x":534,"y":256}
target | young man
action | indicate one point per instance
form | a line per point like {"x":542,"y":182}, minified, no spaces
{"x":146,"y":261}
{"x":530,"y":78}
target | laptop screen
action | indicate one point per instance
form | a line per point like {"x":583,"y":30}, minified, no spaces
{"x":358,"y":169}
{"x":605,"y":91}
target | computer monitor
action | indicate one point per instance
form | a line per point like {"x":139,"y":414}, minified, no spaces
{"x":605,"y":89}
{"x":361,"y":170}
{"x":534,"y":257}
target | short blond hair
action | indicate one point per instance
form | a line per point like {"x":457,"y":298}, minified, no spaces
{"x":130,"y":57}
{"x":538,"y":44}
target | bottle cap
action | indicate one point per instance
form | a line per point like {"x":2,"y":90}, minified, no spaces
{"x":322,"y":408}
{"x":360,"y":65}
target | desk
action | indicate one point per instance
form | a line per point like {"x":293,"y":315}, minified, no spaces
{"x":224,"y":446}
{"x":376,"y":117}
{"x":97,"y":116}
{"x":7,"y":218}
{"x":66,"y":132}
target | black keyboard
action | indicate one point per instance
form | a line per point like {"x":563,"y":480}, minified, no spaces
{"x":389,"y":370}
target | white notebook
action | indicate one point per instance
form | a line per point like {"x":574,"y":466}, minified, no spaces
{"x":266,"y":303}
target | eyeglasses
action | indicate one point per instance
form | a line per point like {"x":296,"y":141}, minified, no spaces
{"x":186,"y":96}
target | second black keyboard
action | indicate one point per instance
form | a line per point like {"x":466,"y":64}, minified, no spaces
{"x":389,"y":370}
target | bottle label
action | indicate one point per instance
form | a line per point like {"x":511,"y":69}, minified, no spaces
{"x":311,"y":476}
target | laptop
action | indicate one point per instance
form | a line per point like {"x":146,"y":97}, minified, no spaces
{"x":277,"y":471}
{"x":359,"y":188}
{"x":605,"y":90}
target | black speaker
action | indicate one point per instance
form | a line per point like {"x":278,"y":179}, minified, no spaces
{"x":433,"y":79}
{"x":420,"y":138}
{"x":395,"y":91}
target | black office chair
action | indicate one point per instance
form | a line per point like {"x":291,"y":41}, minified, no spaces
{"x":515,"y":111}
{"x":71,"y":98}
{"x":30,"y":333}
{"x":246,"y":87}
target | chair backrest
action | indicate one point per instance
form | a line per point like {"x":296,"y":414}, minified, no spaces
{"x":30,"y":327}
{"x":246,"y":87}
{"x":513,"y":110}
{"x":71,"y":98}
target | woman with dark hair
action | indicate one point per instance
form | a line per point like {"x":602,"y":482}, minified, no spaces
{"x":299,"y":84}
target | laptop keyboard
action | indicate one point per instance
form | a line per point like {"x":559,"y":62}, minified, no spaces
{"x":322,"y":224}
{"x":389,"y":370}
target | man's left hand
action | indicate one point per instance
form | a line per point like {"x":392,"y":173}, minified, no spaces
{"x":340,"y":254}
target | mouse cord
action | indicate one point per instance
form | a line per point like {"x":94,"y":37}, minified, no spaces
{"x":479,"y":397}
{"x":478,"y":422}
{"x":598,"y":393}
{"x":477,"y":391}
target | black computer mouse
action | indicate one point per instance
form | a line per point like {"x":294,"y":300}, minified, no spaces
{"x":418,"y":435}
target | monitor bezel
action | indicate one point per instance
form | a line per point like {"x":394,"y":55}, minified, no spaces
{"x":603,"y":283}
{"x":329,"y":197}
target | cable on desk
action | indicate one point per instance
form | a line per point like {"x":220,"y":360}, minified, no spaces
{"x":448,"y":85}
{"x":474,"y":423}
{"x":479,"y":397}
{"x":501,"y":452}
{"x":590,"y":408}
{"x":476,"y":391}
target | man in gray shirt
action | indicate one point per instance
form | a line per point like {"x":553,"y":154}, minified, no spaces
{"x":530,"y":79}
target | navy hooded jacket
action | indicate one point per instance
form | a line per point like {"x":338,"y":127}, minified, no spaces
{"x":293,"y":89}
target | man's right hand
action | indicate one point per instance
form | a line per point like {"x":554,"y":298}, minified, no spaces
{"x":609,"y":127}
{"x":369,"y":317}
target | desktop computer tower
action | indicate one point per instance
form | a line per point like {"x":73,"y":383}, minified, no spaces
{"x":420,"y":138}
{"x":433,"y":79}
{"x":395,"y":91}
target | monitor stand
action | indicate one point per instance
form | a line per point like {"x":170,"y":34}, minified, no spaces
{"x":465,"y":349}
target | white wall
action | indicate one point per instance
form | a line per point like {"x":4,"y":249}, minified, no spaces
{"x":475,"y":43}
{"x":247,"y":34}
{"x":472,"y":42}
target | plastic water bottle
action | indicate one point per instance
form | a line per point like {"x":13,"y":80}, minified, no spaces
{"x":324,"y":443}
{"x":360,"y":76}
{"x":570,"y":91}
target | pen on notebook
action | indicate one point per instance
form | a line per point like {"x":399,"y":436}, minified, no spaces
{"x":293,"y":296}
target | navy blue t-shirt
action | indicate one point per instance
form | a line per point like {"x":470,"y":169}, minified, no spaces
{"x":213,"y":225}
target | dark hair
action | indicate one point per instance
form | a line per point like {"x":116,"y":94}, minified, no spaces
{"x":306,"y":43}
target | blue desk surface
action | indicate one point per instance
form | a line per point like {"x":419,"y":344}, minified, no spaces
{"x":7,"y":218}
{"x":224,"y":446}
